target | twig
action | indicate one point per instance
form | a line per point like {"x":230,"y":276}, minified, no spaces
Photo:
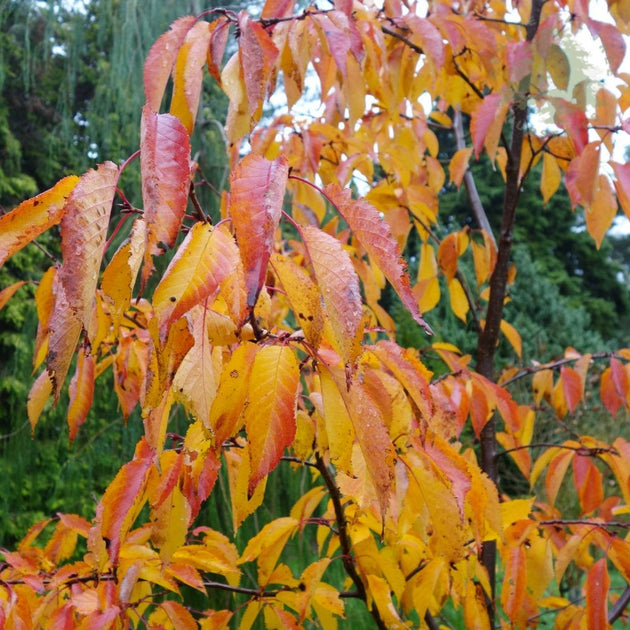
{"x":617,"y":610}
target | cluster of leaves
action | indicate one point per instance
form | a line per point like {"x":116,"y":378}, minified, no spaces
{"x":279,"y":347}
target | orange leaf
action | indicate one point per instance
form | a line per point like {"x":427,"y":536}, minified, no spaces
{"x":188,"y":74}
{"x":608,"y":392}
{"x":571,"y":387}
{"x":372,"y":436}
{"x":572,"y":119}
{"x":588,"y":481}
{"x":37,"y":397}
{"x":179,"y":615}
{"x":550,"y":178}
{"x":375,"y":236}
{"x":7,"y":294}
{"x":206,"y":257}
{"x":161,"y":59}
{"x":219,"y":31}
{"x":512,"y":336}
{"x":270,"y":415}
{"x":448,"y":254}
{"x":81,"y":393}
{"x":164,"y":162}
{"x":304,"y":297}
{"x":486,"y":123}
{"x":339,"y":286}
{"x":123,"y":499}
{"x":556,"y":472}
{"x":229,"y":403}
{"x":33,"y":217}
{"x":277,"y":8}
{"x":83,"y":235}
{"x":514,"y":583}
{"x":601,"y":213}
{"x":458,"y":300}
{"x":257,"y":191}
{"x":257,"y":54}
{"x":597,"y":585}
{"x":459,"y":165}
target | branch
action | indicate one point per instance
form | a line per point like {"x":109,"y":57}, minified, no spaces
{"x":344,"y":539}
{"x":617,"y":610}
{"x":469,"y":181}
{"x":556,"y":522}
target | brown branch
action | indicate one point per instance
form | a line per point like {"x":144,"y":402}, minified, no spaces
{"x":595,"y":524}
{"x":344,"y":539}
{"x":617,"y":610}
{"x":587,"y":451}
{"x":469,"y":181}
{"x":403,"y":39}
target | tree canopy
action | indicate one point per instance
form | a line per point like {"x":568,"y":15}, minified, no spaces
{"x":264,"y":319}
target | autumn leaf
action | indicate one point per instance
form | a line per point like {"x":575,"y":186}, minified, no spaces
{"x":270,"y":414}
{"x":164,"y":162}
{"x":33,"y":217}
{"x":486,"y":123}
{"x":187,"y":73}
{"x":375,"y":236}
{"x":597,"y":584}
{"x":81,"y":392}
{"x":161,"y":59}
{"x":206,"y":257}
{"x":255,"y":205}
{"x":122,"y":501}
{"x":339,"y":287}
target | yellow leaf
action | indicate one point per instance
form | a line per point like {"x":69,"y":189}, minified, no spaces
{"x":37,"y":397}
{"x":512,"y":336}
{"x":339,"y":429}
{"x":170,"y":524}
{"x":601,"y":212}
{"x":266,"y":546}
{"x":270,"y":415}
{"x":458,"y":301}
{"x":33,"y":217}
{"x":558,"y":67}
{"x":550,"y":178}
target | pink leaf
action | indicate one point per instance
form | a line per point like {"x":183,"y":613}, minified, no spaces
{"x":375,"y":236}
{"x":255,"y":205}
{"x":161,"y":59}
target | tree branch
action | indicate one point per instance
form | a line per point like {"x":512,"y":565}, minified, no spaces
{"x":617,"y":610}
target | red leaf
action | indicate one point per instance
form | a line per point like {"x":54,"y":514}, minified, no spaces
{"x":428,"y":37}
{"x":83,"y":236}
{"x":188,"y":75}
{"x":219,"y":31}
{"x":33,"y":217}
{"x":608,"y":392}
{"x":588,"y":481}
{"x":123,"y":500}
{"x":161,"y":59}
{"x":375,"y":236}
{"x":571,"y":387}
{"x":277,"y":9}
{"x":487,"y":116}
{"x":7,"y":294}
{"x":164,"y":162}
{"x":339,"y":286}
{"x":597,"y":585}
{"x":257,"y":54}
{"x":257,"y":192}
{"x":573,"y":120}
{"x":270,"y":415}
{"x":81,"y":393}
{"x":622,"y":185}
{"x":612,"y":40}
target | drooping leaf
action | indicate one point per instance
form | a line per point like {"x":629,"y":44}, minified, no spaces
{"x":558,"y":67}
{"x":602,"y":211}
{"x":206,"y":257}
{"x":83,"y":235}
{"x":487,"y":122}
{"x":572,"y":387}
{"x":164,"y":162}
{"x":550,"y":178}
{"x":81,"y":392}
{"x":188,"y":75}
{"x":588,"y":481}
{"x":270,"y":415}
{"x":161,"y":59}
{"x":339,"y":286}
{"x":38,"y":396}
{"x":256,"y":195}
{"x":122,"y":501}
{"x":459,"y":165}
{"x":597,"y":585}
{"x":303,"y":296}
{"x":7,"y":293}
{"x":229,"y":403}
{"x":33,"y":217}
{"x":375,"y":236}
